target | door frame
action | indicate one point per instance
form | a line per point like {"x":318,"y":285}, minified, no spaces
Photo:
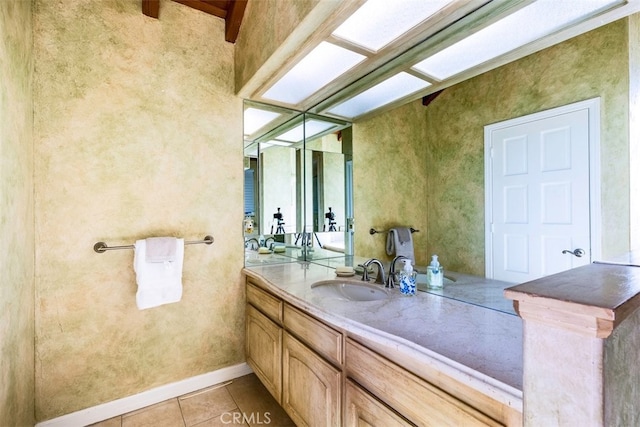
{"x":595,"y":217}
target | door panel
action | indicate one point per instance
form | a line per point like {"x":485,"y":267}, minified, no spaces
{"x":539,"y":188}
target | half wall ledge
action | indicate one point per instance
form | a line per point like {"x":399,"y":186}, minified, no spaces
{"x":581,"y":346}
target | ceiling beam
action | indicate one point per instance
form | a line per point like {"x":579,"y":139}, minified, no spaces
{"x":234,"y":19}
{"x":232,"y":11}
{"x":204,"y":6}
{"x":151,"y":8}
{"x":428,"y":99}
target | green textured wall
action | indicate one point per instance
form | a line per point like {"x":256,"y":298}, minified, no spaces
{"x":450,"y":186}
{"x":16,"y":215}
{"x":389,"y":179}
{"x":137,"y":133}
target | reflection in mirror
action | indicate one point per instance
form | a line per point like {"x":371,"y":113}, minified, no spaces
{"x":260,"y":122}
{"x":288,"y":190}
{"x":279,"y":190}
{"x":326,"y":165}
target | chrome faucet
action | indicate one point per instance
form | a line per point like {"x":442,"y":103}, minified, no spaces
{"x":365,"y":275}
{"x":249,"y":243}
{"x":266,"y":242}
{"x":391,"y":280}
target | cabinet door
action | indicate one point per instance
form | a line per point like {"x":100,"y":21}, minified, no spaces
{"x":312,"y":388}
{"x":364,"y":410}
{"x":264,"y":350}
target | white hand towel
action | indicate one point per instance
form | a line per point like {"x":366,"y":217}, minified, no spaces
{"x":161,"y":249}
{"x":158,"y":282}
{"x":400,"y":242}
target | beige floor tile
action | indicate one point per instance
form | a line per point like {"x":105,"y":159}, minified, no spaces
{"x":164,"y":414}
{"x":256,"y":403}
{"x":111,"y":422}
{"x":206,"y":404}
{"x":228,"y":419}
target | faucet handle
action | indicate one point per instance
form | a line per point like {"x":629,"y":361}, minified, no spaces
{"x":390,"y":281}
{"x":365,"y":272}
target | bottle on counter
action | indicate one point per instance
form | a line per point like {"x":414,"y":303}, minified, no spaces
{"x":407,"y":278}
{"x":435,"y":274}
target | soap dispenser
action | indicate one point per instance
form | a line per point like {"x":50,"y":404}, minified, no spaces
{"x":407,"y":278}
{"x":435,"y":274}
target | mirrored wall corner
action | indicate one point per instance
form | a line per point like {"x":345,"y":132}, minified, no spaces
{"x":295,"y":185}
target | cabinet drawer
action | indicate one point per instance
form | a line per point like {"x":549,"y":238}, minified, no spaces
{"x":417,"y":400}
{"x":265,"y":302}
{"x":320,"y":337}
{"x":362,"y":409}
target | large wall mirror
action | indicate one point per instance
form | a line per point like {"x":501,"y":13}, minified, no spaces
{"x":297,"y":185}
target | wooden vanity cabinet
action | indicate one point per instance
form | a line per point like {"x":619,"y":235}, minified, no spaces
{"x":297,"y":358}
{"x":311,"y":387}
{"x":362,"y":409}
{"x":323,"y":339}
{"x":312,"y":356}
{"x":263,"y":343}
{"x":323,"y":378}
{"x":416,"y":399}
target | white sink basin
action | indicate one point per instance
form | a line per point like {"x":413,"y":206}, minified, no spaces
{"x":350,"y":290}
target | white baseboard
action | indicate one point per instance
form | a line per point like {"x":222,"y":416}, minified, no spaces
{"x":112,"y":409}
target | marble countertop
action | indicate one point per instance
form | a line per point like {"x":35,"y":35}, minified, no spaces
{"x":480,"y":347}
{"x":600,"y":285}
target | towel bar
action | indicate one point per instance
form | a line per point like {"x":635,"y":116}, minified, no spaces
{"x":101,"y":247}
{"x":374,"y":231}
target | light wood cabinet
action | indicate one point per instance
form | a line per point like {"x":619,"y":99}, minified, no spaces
{"x":322,"y":378}
{"x":271,"y":306}
{"x":263,"y":347}
{"x":325,"y":340}
{"x":296,"y":357}
{"x":417,"y":400}
{"x":364,"y":410}
{"x":311,"y":387}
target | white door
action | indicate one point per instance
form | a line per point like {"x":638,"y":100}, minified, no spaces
{"x":539,"y":186}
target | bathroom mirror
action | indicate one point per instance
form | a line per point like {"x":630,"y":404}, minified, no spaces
{"x":288,"y":189}
{"x":329,"y":205}
{"x":266,"y":157}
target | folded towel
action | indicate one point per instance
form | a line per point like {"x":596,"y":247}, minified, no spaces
{"x":161,"y":249}
{"x":400,"y":242}
{"x":158,"y":282}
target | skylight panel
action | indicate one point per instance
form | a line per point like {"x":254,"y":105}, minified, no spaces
{"x":315,"y":127}
{"x":255,"y":118}
{"x":528,"y":24}
{"x":278,"y":142}
{"x":396,"y":87}
{"x":379,"y":22}
{"x":321,"y":66}
{"x":310,"y":128}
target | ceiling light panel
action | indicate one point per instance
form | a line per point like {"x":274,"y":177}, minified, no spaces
{"x":396,"y":87}
{"x":526,"y":25}
{"x":255,"y":118}
{"x":379,"y":22}
{"x":278,"y":142}
{"x":310,"y":128}
{"x":321,"y":66}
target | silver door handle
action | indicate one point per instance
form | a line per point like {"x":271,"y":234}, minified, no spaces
{"x":578,"y":252}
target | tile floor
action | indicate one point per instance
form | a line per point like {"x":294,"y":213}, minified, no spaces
{"x":244,"y":402}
